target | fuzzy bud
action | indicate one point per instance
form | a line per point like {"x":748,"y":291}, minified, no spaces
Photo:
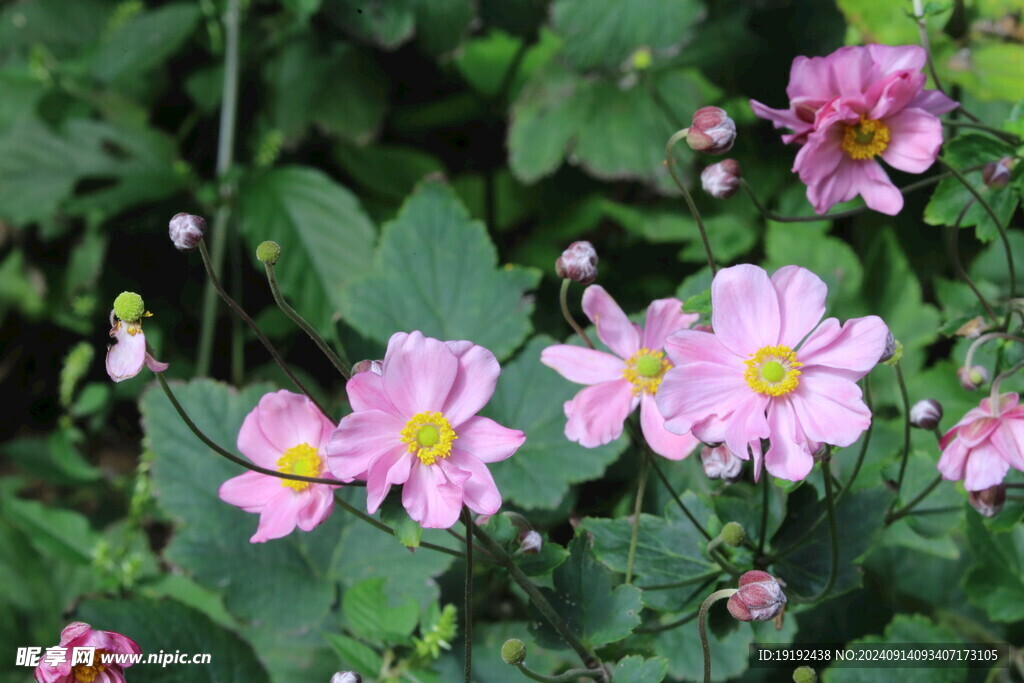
{"x":988,"y":502}
{"x":268,"y":252}
{"x":346,"y":677}
{"x":513,"y":651}
{"x":889,"y":352}
{"x":712,"y":131}
{"x":733,"y":534}
{"x":720,"y":463}
{"x":374,"y":366}
{"x":721,"y":180}
{"x":578,"y":263}
{"x":186,"y":230}
{"x":759,"y":597}
{"x":129,"y":307}
{"x":530,"y":542}
{"x":926,"y":414}
{"x":996,"y":174}
{"x":972,"y":378}
{"x":805,"y":674}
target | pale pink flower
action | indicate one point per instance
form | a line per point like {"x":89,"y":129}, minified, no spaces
{"x":770,"y":371}
{"x":415,"y":424}
{"x":81,"y":635}
{"x":985,"y":443}
{"x":285,"y":432}
{"x":852,"y":106}
{"x":126,"y":358}
{"x":620,"y":381}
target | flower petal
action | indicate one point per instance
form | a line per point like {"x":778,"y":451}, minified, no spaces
{"x":155,"y":365}
{"x":1008,"y":439}
{"x":934,"y":102}
{"x":889,"y":96}
{"x":319,"y":503}
{"x":694,"y":392}
{"x":801,"y":296}
{"x":392,"y":467}
{"x":418,"y":373}
{"x":744,"y":309}
{"x":583,"y":365}
{"x":954,"y":458}
{"x":359,"y":440}
{"x":477,"y":376}
{"x":665,"y":316}
{"x":479,"y":491}
{"x":915,"y":137}
{"x":829,"y":407}
{"x":872,"y":183}
{"x":430,"y":498}
{"x":985,"y":468}
{"x":662,"y":441}
{"x":888,"y":59}
{"x":279,"y":516}
{"x":853,"y":349}
{"x":613,"y":327}
{"x":254,"y":445}
{"x":693,"y":346}
{"x":126,"y":358}
{"x":487,"y":440}
{"x":288,"y":419}
{"x":746,"y":426}
{"x":787,"y":458}
{"x":366,"y":392}
{"x":250,"y":491}
{"x":596,"y":414}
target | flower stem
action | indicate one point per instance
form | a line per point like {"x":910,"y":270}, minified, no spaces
{"x":641,"y":488}
{"x":676,"y":498}
{"x":563,"y":300}
{"x":689,"y":199}
{"x":863,"y":446}
{"x":905,"y":398}
{"x":467,"y":520}
{"x":989,"y":336}
{"x":1001,"y":134}
{"x":832,"y":533}
{"x":905,"y":510}
{"x":922,"y":29}
{"x":954,"y":257}
{"x":570,"y":676}
{"x":702,"y":617}
{"x":336,"y":361}
{"x":713,"y":574}
{"x":352,"y":509}
{"x":240,"y":312}
{"x":762,"y":537}
{"x":1000,"y":377}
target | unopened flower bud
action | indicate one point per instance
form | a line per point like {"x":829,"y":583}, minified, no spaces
{"x":759,"y":597}
{"x":926,"y":414}
{"x":128,"y":306}
{"x":720,"y":463}
{"x":972,"y":378}
{"x":346,"y":677}
{"x":268,"y":252}
{"x":721,"y":180}
{"x":890,"y":349}
{"x":996,"y":174}
{"x":374,"y":366}
{"x":733,"y":534}
{"x":988,"y":501}
{"x":578,"y":263}
{"x":642,"y":59}
{"x":513,"y":651}
{"x":186,"y":230}
{"x":712,"y":131}
{"x":530,"y":542}
{"x":805,"y":674}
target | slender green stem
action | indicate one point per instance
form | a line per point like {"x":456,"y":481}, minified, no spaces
{"x":353,"y":510}
{"x":987,"y":337}
{"x":702,"y":617}
{"x":240,"y":312}
{"x":936,"y":511}
{"x":570,"y":676}
{"x":638,"y":503}
{"x":563,"y":300}
{"x":225,"y":150}
{"x":1001,"y":134}
{"x":283,"y":304}
{"x":922,"y":29}
{"x":863,"y":445}
{"x":954,"y":257}
{"x":905,"y":510}
{"x":676,"y":498}
{"x":999,"y":379}
{"x":713,"y":574}
{"x":832,"y":533}
{"x":725,"y":564}
{"x":661,"y":628}
{"x":905,"y":398}
{"x":237,"y":330}
{"x":467,"y":520}
{"x":216,"y":448}
{"x":762,"y":537}
{"x":669,"y":163}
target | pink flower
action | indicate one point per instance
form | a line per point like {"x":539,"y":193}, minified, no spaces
{"x":126,"y":358}
{"x":415,"y":424}
{"x":755,"y":379}
{"x":985,"y":443}
{"x":621,"y":380}
{"x":81,"y":635}
{"x":852,"y":106}
{"x":286,"y":432}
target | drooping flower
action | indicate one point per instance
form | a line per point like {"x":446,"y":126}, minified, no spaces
{"x":771,"y":371}
{"x":986,"y":442}
{"x":852,"y":106}
{"x":415,"y":424}
{"x":288,"y":433}
{"x":80,"y":635}
{"x":126,"y":358}
{"x":620,"y":381}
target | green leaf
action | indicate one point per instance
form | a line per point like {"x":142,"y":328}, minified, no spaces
{"x":168,"y":626}
{"x":435,"y":271}
{"x":390,"y":171}
{"x":996,"y":581}
{"x":584,"y":597}
{"x":354,"y":655}
{"x":550,"y":557}
{"x":442,"y":24}
{"x":699,"y":303}
{"x":63,"y":535}
{"x":387,"y":23}
{"x":145,"y":41}
{"x":325,"y":237}
{"x":407,"y":530}
{"x":370,"y":615}
{"x":484,"y":62}
{"x":636,"y":669}
{"x":903,"y":628}
{"x":808,"y":245}
{"x":993,"y":72}
{"x":530,"y":397}
{"x":19,"y":94}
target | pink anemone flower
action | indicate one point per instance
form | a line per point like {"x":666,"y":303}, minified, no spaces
{"x":985,"y":443}
{"x":771,"y":371}
{"x":126,"y":358}
{"x":622,"y":380}
{"x":852,"y":106}
{"x":286,"y":432}
{"x":415,"y":424}
{"x":93,"y":669}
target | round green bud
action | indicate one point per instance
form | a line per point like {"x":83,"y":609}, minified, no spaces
{"x":642,"y":59}
{"x":804,"y":674}
{"x":733,"y":534}
{"x":513,"y":651}
{"x":268,"y":252}
{"x":128,"y":306}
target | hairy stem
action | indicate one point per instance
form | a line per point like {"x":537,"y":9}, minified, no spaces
{"x":563,"y":300}
{"x":702,"y":617}
{"x":641,"y":488}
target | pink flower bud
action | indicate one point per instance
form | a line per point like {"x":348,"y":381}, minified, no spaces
{"x":972,"y":378}
{"x":374,"y":366}
{"x":346,"y":677}
{"x":990,"y":501}
{"x":186,"y":230}
{"x":720,"y":463}
{"x":578,"y":263}
{"x":530,"y":542}
{"x":712,"y":131}
{"x":759,"y":597}
{"x":996,"y":174}
{"x":721,"y":180}
{"x":926,"y":414}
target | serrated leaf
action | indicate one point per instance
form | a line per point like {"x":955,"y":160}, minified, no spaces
{"x":636,"y":669}
{"x":390,"y":171}
{"x":369,"y":613}
{"x":407,"y":530}
{"x":354,"y":655}
{"x":996,"y":581}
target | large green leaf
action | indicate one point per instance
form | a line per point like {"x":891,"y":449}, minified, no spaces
{"x":144,"y":41}
{"x":636,"y":669}
{"x":530,"y":397}
{"x":435,"y":270}
{"x":904,"y":628}
{"x":369,"y":615}
{"x":808,"y":245}
{"x":442,"y":24}
{"x":387,"y":23}
{"x":996,"y":581}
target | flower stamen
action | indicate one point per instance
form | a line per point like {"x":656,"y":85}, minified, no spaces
{"x":429,"y":436}
{"x":302,"y":460}
{"x":772,"y":371}
{"x":645,"y":369}
{"x":866,"y":139}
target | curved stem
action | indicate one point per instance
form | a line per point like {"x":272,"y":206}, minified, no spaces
{"x":1000,"y":377}
{"x":905,"y":510}
{"x":468,"y":596}
{"x":702,"y":617}
{"x":661,"y":628}
{"x":570,"y":676}
{"x":905,"y":398}
{"x":832,"y":533}
{"x":989,"y":336}
{"x":338,"y":364}
{"x":954,"y":257}
{"x":240,"y":312}
{"x":1001,"y":134}
{"x":713,"y":574}
{"x":863,"y":446}
{"x":353,"y":510}
{"x":676,"y":498}
{"x":689,"y":199}
{"x":641,"y":488}
{"x":563,"y":300}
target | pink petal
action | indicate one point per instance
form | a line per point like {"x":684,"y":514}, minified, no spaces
{"x":254,"y":445}
{"x":418,"y":373}
{"x":915,"y":137}
{"x":479,"y":491}
{"x":430,"y":498}
{"x":693,"y":392}
{"x":692,"y":346}
{"x":665,"y":316}
{"x":392,"y":467}
{"x":1008,"y":439}
{"x":288,"y":419}
{"x":822,"y":156}
{"x":359,"y":440}
{"x":934,"y":102}
{"x":477,"y":376}
{"x":662,"y":441}
{"x":829,"y":408}
{"x":712,"y":430}
{"x":801,"y":302}
{"x":977,"y":431}
{"x":841,"y":186}
{"x":954,"y":457}
{"x":319,"y":503}
{"x":879,"y":193}
{"x":985,"y":468}
{"x":613,"y":327}
{"x":76,"y":629}
{"x":746,"y":425}
{"x":787,"y":458}
{"x":783,"y":118}
{"x":279,"y":516}
{"x":583,"y":365}
{"x":812,"y":77}
{"x":126,"y":358}
{"x":853,"y":348}
{"x":366,"y":392}
{"x":487,"y":440}
{"x":250,"y":491}
{"x":852,"y":70}
{"x":894,"y":93}
{"x":596,"y":414}
{"x":744,"y":309}
{"x":889,"y":59}
{"x":155,"y":365}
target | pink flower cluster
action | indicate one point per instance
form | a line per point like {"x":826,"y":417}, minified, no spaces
{"x":986,"y":442}
{"x":78,"y":634}
{"x":852,"y":106}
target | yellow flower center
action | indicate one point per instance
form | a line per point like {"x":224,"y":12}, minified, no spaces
{"x":302,"y":460}
{"x":645,"y":369}
{"x":866,"y":139}
{"x":429,"y":436}
{"x":773,"y":371}
{"x":87,"y":673}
